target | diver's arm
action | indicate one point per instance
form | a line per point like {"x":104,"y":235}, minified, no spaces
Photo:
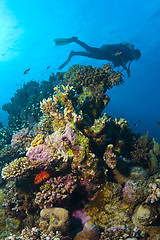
{"x":128,"y":69}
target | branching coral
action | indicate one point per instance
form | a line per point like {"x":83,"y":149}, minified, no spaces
{"x":155,"y":193}
{"x":17,"y":168}
{"x":56,"y":190}
{"x":79,"y":76}
{"x":60,"y":107}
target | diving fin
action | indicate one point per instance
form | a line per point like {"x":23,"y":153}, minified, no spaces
{"x":62,"y":41}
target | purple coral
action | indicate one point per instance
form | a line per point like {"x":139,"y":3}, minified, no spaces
{"x":40,"y":155}
{"x":82,"y":215}
{"x":59,"y":139}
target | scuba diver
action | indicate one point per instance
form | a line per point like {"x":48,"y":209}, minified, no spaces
{"x":119,"y":54}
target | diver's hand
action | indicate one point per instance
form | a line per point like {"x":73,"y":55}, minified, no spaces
{"x":128,"y":72}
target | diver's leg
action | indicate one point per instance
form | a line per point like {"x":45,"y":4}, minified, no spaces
{"x":85,"y":54}
{"x":67,"y":61}
{"x":85,"y":46}
{"x":88,"y":54}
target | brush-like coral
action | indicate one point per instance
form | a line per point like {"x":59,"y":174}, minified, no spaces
{"x":17,"y":168}
{"x":56,"y":190}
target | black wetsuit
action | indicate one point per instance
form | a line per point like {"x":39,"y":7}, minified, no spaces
{"x":118,"y":54}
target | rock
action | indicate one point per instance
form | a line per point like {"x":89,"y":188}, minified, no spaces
{"x":145,"y":214}
{"x":90,"y":232}
{"x":138,"y":173}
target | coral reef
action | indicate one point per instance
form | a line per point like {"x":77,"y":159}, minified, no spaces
{"x":24,"y":107}
{"x":67,"y":168}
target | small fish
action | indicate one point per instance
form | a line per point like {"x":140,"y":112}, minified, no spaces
{"x":48,"y":67}
{"x":26,"y":71}
{"x":42,"y":176}
{"x":158,"y":123}
{"x":117,"y":53}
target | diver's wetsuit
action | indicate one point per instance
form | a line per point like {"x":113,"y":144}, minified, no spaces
{"x":118,"y":54}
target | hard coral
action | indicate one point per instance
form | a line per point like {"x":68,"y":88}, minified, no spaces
{"x":21,"y":140}
{"x":17,"y":168}
{"x":40,"y":156}
{"x":91,"y":85}
{"x":56,"y":190}
{"x":58,"y":219}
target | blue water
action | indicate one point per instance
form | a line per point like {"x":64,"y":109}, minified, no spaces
{"x":27,"y":30}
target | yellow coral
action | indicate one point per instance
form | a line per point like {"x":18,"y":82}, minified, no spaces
{"x":16,"y":168}
{"x":39,"y":139}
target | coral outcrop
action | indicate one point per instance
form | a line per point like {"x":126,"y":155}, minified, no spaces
{"x":101,"y":180}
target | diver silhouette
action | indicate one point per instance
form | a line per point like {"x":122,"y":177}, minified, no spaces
{"x":119,"y":54}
